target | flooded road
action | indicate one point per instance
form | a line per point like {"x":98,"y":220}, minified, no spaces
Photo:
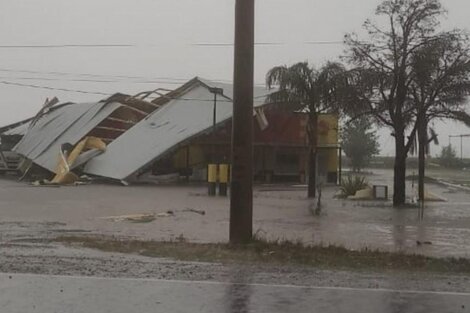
{"x":45,"y":294}
{"x":280,"y":212}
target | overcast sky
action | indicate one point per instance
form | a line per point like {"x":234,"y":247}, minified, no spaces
{"x":164,"y":35}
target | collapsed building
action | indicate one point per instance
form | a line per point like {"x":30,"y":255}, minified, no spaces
{"x":129,"y":138}
{"x":10,"y":135}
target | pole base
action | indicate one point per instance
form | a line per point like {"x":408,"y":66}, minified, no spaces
{"x":223,"y":189}
{"x":212,"y":187}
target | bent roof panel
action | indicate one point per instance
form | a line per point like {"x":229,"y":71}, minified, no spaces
{"x":67,"y":124}
{"x":190,"y":114}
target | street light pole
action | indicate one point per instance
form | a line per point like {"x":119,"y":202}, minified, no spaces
{"x":241,"y":196}
{"x":461,"y":147}
{"x":215,"y":91}
{"x":214,"y":115}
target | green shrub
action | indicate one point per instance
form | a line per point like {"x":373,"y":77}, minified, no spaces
{"x":352,"y":184}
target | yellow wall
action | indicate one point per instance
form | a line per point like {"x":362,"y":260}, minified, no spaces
{"x":328,"y":130}
{"x":196,"y":157}
{"x":333,"y":160}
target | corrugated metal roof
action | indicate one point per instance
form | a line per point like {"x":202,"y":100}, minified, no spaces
{"x":67,"y":124}
{"x":180,"y":119}
{"x":17,"y":131}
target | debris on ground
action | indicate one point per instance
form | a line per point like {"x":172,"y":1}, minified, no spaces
{"x":139,"y":218}
{"x":364,"y":194}
{"x":200,"y":212}
{"x":149,"y":178}
{"x":44,"y":183}
{"x":77,"y":181}
{"x":166,"y":214}
{"x":419,"y":243}
{"x":135,"y":218}
{"x":430,"y":196}
{"x":149,"y":217}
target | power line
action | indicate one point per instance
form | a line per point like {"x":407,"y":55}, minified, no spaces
{"x":196,"y":44}
{"x":162,"y":80}
{"x":109,"y":94}
{"x":97,"y":92}
{"x":227,"y":44}
{"x":218,"y":44}
{"x":323,"y":42}
{"x":9,"y":70}
{"x":66,"y":46}
{"x":91,"y":80}
{"x":53,"y":88}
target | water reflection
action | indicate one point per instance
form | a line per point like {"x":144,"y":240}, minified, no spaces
{"x":422,"y":237}
{"x":398,"y":304}
{"x":238,"y":294}
{"x":315,"y":208}
{"x":409,"y":232}
{"x":399,"y":229}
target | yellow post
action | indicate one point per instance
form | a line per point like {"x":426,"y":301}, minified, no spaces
{"x":223,"y":179}
{"x":212,"y":178}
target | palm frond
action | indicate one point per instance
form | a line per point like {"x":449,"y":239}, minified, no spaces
{"x":461,"y":116}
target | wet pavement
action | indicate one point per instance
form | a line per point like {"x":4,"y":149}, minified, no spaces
{"x":46,"y":294}
{"x":280,"y":212}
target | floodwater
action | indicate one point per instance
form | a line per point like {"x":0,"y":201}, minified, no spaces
{"x":280,"y":212}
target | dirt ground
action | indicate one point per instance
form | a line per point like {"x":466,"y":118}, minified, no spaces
{"x":28,"y":212}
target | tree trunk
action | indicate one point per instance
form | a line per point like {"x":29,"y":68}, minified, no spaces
{"x":312,"y":174}
{"x":399,"y":179}
{"x":312,"y":159}
{"x":422,"y":139}
{"x":421,"y":170}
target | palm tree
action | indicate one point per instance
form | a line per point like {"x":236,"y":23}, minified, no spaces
{"x":304,"y":88}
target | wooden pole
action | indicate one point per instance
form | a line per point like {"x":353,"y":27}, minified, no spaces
{"x":241,"y":196}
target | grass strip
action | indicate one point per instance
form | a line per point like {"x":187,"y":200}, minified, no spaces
{"x":276,"y":252}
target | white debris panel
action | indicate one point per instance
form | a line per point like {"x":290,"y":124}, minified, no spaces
{"x":67,"y":124}
{"x":185,"y":116}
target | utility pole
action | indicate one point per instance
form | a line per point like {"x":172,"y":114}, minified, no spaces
{"x":241,"y":195}
{"x":461,"y":147}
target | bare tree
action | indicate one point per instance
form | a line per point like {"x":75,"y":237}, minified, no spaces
{"x":440,"y":86}
{"x":382,"y":74}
